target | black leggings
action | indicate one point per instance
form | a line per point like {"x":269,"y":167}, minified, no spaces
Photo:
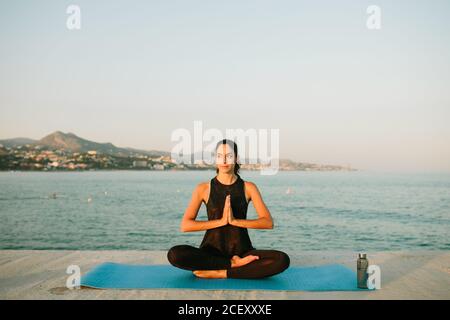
{"x":270,"y":262}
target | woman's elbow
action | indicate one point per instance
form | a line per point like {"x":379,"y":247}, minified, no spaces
{"x":270,"y":224}
{"x":186,"y":226}
{"x":183,"y":227}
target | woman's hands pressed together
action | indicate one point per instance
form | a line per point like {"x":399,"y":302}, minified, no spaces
{"x":227,"y":215}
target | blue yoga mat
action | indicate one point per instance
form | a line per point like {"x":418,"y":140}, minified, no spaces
{"x":331,"y":277}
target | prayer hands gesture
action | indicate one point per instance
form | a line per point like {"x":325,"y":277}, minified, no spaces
{"x":227,"y":215}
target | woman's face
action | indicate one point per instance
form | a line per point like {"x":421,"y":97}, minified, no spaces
{"x":225,"y":159}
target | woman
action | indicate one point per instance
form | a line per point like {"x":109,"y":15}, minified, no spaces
{"x":226,"y":250}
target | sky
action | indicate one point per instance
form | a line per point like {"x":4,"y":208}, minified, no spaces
{"x":135,"y":72}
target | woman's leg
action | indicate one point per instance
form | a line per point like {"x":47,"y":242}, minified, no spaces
{"x":270,"y":262}
{"x":191,"y":258}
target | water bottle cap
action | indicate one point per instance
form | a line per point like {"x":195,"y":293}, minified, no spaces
{"x":362,"y":255}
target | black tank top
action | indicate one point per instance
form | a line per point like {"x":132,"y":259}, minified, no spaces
{"x":227,"y":240}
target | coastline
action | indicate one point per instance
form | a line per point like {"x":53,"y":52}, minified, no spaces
{"x":41,"y":274}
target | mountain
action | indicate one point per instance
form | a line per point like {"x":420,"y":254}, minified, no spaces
{"x":73,"y":143}
{"x":15,"y":142}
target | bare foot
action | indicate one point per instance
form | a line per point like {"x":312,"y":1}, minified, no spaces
{"x":237,"y":261}
{"x":211,"y":274}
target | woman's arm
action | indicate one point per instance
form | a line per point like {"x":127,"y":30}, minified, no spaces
{"x":264,"y":221}
{"x":188,"y":222}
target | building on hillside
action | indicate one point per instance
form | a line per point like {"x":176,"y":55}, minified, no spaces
{"x":158,"y":166}
{"x":140,"y":164}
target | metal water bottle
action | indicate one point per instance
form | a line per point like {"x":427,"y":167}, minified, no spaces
{"x":362,"y":266}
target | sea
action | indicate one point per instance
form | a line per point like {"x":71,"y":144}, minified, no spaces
{"x":142,"y":210}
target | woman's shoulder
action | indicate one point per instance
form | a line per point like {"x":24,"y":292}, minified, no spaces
{"x":203,"y":187}
{"x":202,"y":190}
{"x":250,"y":189}
{"x":250,"y":184}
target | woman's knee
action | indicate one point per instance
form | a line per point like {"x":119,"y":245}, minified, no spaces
{"x":176,"y":255}
{"x":282,"y":260}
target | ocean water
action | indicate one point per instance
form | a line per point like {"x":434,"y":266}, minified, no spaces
{"x":142,"y":210}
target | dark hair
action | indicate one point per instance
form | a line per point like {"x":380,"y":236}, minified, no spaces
{"x":233,"y":145}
